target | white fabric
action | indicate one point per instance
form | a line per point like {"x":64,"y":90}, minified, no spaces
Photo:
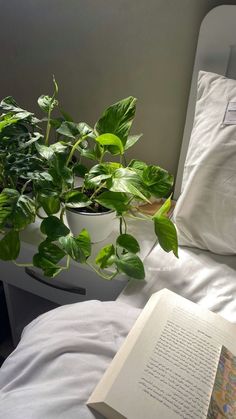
{"x":205,"y":213}
{"x":202,"y":277}
{"x":63,"y":353}
{"x":60,"y":359}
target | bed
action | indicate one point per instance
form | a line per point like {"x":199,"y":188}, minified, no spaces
{"x":63,"y":353}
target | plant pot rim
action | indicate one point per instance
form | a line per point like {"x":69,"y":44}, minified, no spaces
{"x":93,"y":214}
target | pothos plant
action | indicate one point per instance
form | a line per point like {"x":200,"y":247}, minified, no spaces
{"x":40,"y":160}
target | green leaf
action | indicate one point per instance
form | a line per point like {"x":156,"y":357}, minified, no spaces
{"x":131,"y":140}
{"x":128,"y":242}
{"x":131,"y":265}
{"x":69,"y":129}
{"x":51,"y":251}
{"x":166,"y":234}
{"x":10,"y":105}
{"x":72,"y":130}
{"x":49,"y":268}
{"x":61,"y":174}
{"x":137,"y":165}
{"x":40,"y":176}
{"x":79,"y":170}
{"x":85,"y":130}
{"x":165,"y":208}
{"x":128,"y":181}
{"x":118,"y":118}
{"x":76,"y":199}
{"x":79,"y":248}
{"x":10,"y":246}
{"x":50,"y":201}
{"x":53,"y":228}
{"x":165,"y":230}
{"x":59,"y":148}
{"x":44,"y":151}
{"x":47,"y":103}
{"x":84,"y":242}
{"x":102,"y":258}
{"x":117,"y":201}
{"x":158,"y":180}
{"x":89,"y":154}
{"x":8,"y":199}
{"x":99,"y":173}
{"x":18,"y":209}
{"x":7,"y":120}
{"x":112,"y":143}
{"x":23,"y":213}
{"x":32,"y":139}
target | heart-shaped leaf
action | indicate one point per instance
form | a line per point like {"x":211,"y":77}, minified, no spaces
{"x":117,"y":201}
{"x":50,"y":202}
{"x":104,"y":255}
{"x":53,"y":228}
{"x":165,"y":229}
{"x":79,"y":248}
{"x":51,"y":251}
{"x":158,"y":180}
{"x":117,"y":118}
{"x":131,"y":265}
{"x":47,"y":103}
{"x":111,"y":142}
{"x":128,"y":181}
{"x":49,"y":268}
{"x":76,"y":199}
{"x":128,"y":242}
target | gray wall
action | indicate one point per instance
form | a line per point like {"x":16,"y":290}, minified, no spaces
{"x":101,"y":51}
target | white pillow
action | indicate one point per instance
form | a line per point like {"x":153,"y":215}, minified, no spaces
{"x":205,"y":214}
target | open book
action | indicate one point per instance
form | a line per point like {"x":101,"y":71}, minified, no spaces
{"x":167,"y":366}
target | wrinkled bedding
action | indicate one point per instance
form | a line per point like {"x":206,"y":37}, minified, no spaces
{"x":63,"y":353}
{"x":201,"y":276}
{"x":60,"y":358}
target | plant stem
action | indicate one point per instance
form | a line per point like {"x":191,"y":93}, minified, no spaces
{"x":67,"y":264}
{"x":48,"y":126}
{"x":125,"y":224}
{"x":62,"y":213}
{"x":25,"y":186}
{"x":120,"y":225}
{"x":25,"y":265}
{"x":101,"y":274}
{"x":97,"y":190}
{"x":73,"y":150}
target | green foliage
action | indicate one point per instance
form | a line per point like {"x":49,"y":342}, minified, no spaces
{"x":79,"y":248}
{"x":128,"y":242}
{"x":117,"y":119}
{"x":39,"y":162}
{"x":10,"y":246}
{"x":165,"y":229}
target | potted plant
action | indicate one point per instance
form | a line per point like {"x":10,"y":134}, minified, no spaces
{"x":78,"y":172}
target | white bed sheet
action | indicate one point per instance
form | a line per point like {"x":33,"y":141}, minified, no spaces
{"x":201,"y":276}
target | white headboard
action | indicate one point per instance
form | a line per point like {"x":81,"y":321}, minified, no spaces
{"x":216,"y":52}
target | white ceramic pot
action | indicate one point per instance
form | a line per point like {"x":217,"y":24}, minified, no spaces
{"x":99,"y":225}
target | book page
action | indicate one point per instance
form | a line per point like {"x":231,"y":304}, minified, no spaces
{"x":171,"y":369}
